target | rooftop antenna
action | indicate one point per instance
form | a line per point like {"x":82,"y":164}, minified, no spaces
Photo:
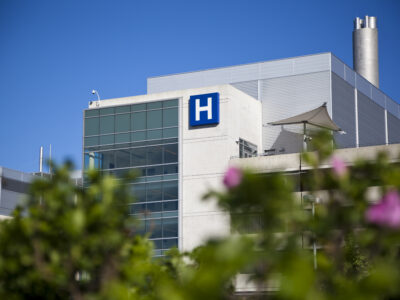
{"x":41,"y":160}
{"x":50,"y":161}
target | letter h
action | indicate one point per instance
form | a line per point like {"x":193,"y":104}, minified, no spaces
{"x":207,"y":108}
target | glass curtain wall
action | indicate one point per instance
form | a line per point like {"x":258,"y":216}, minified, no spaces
{"x":143,"y":137}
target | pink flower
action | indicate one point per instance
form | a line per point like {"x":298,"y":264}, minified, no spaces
{"x":232,"y":177}
{"x":387,"y":212}
{"x":339,"y":167}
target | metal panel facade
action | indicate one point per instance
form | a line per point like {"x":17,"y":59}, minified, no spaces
{"x":393,"y":129}
{"x":234,"y":74}
{"x":371,"y":121}
{"x":248,"y":87}
{"x":343,"y":109}
{"x":285,"y":97}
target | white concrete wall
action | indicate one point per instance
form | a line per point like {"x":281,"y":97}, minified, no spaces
{"x":206,"y":155}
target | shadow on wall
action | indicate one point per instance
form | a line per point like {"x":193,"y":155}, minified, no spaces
{"x":288,"y":142}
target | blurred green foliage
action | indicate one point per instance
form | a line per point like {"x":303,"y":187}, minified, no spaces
{"x":69,"y":242}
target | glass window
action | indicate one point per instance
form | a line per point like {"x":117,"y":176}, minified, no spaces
{"x":169,"y":243}
{"x":140,"y":171}
{"x":122,"y":123}
{"x":122,"y":109}
{"x":154,"y":119}
{"x":106,"y":124}
{"x":170,"y":205}
{"x":158,"y":244}
{"x":138,"y":120}
{"x":91,"y":126}
{"x":154,"y":155}
{"x":170,"y":190}
{"x":122,"y":158}
{"x":91,"y":141}
{"x":156,"y":170}
{"x":154,"y":105}
{"x":107,"y":160}
{"x":140,"y":228}
{"x":170,"y":227}
{"x":139,"y":190}
{"x":139,"y":107}
{"x":106,"y":111}
{"x":170,"y":103}
{"x":171,"y":169}
{"x":138,"y":156}
{"x":170,"y":132}
{"x":122,"y":138}
{"x":91,"y":113}
{"x":154,"y":207}
{"x":138,"y":208}
{"x":171,"y":153}
{"x":92,"y":160}
{"x":154,"y":227}
{"x":106,"y":139}
{"x":170,"y":117}
{"x":154,"y":191}
{"x":138,"y":136}
{"x":154,"y":134}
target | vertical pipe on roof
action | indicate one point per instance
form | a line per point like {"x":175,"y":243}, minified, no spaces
{"x":365,"y":49}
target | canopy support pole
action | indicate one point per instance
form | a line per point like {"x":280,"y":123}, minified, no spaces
{"x":304,"y":137}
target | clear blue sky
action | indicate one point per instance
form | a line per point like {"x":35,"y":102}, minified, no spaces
{"x":53,"y":53}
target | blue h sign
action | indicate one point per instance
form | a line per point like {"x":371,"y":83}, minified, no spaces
{"x":204,"y":109}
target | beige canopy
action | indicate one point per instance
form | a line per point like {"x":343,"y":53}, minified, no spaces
{"x":317,"y":117}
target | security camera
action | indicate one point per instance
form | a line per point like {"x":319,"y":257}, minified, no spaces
{"x":93,"y":92}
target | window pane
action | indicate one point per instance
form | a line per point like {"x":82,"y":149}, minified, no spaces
{"x":138,"y":156}
{"x":122,"y":138}
{"x":170,"y":227}
{"x":106,"y":124}
{"x":139,"y":191}
{"x":140,"y":228}
{"x":154,"y":227}
{"x":91,"y":113}
{"x":106,"y":111}
{"x":91,"y":141}
{"x":122,"y":123}
{"x":107,"y":160}
{"x":139,"y":120}
{"x":171,"y":153}
{"x":154,"y":207}
{"x":170,"y":117}
{"x":170,"y":205}
{"x":157,"y":244}
{"x":154,"y":119}
{"x":169,"y":243}
{"x":138,"y":136}
{"x":138,"y":208}
{"x":156,"y":170}
{"x":154,"y":155}
{"x":92,"y":126}
{"x":139,"y":107}
{"x":140,"y":171}
{"x":154,"y":105}
{"x":154,"y":134}
{"x":170,"y":132}
{"x":170,"y":103}
{"x":154,"y":191}
{"x":122,"y":109}
{"x":170,"y":190}
{"x":92,"y":160}
{"x":106,"y":139}
{"x":122,"y":158}
{"x":171,"y":169}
